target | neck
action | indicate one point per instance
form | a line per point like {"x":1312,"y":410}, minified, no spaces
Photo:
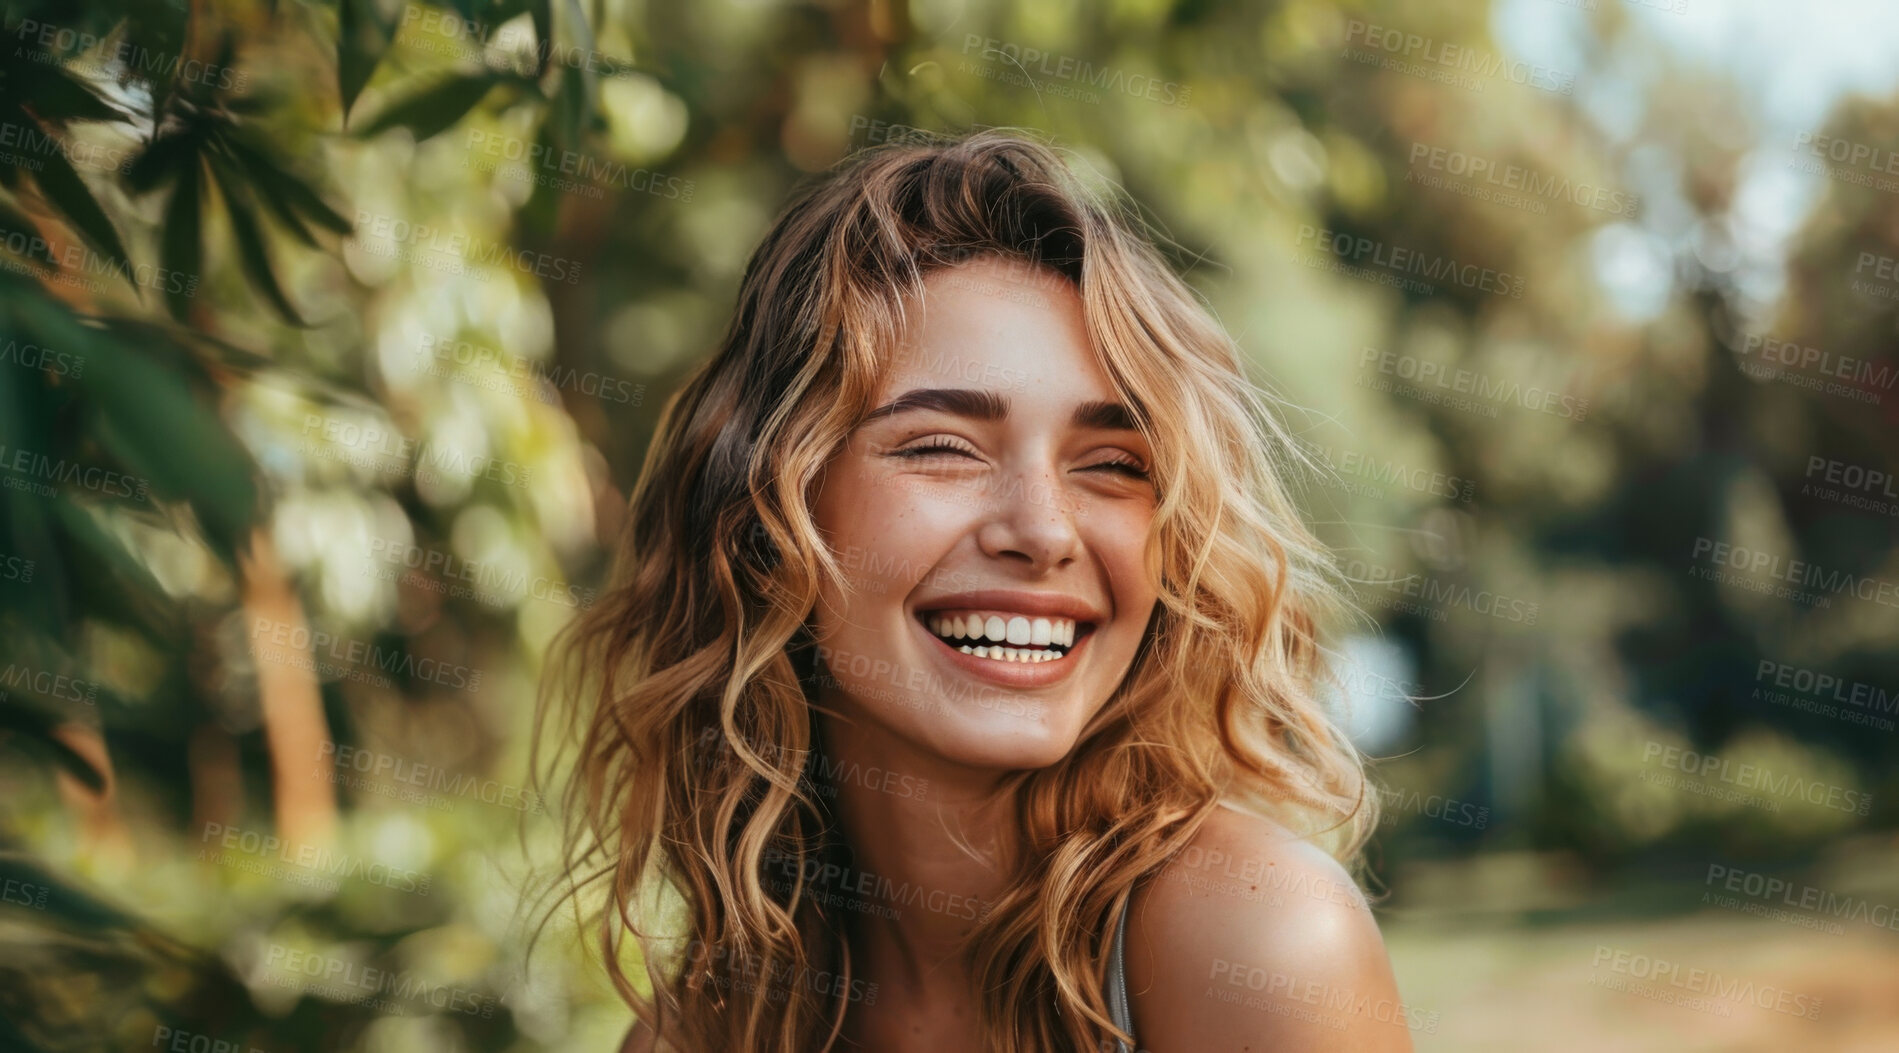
{"x":932,"y":844}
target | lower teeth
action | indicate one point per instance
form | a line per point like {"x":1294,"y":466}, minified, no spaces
{"x":1012,"y":654}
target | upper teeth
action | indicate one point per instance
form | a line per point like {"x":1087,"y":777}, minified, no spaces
{"x":1004,"y":628}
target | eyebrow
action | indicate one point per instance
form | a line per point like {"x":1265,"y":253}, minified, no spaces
{"x":980,"y":404}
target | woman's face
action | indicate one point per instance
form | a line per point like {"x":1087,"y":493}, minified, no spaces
{"x":992,"y":510}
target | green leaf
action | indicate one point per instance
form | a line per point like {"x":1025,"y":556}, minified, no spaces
{"x":566,"y":123}
{"x":436,"y":108}
{"x":165,"y":155}
{"x":57,"y":96}
{"x":271,"y":199}
{"x":363,"y":33}
{"x":63,"y":187}
{"x":151,"y":422}
{"x":130,"y":577}
{"x":180,"y":250}
{"x":583,"y":39}
{"x":281,"y":186}
{"x":250,"y":244}
{"x":12,"y":1037}
{"x":542,"y":12}
{"x":542,"y":210}
{"x":65,"y":900}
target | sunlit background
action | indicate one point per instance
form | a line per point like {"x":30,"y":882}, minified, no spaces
{"x":334,"y":333}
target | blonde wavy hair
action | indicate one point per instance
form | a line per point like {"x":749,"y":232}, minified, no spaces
{"x":703,"y":629}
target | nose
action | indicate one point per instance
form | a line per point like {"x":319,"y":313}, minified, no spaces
{"x":1031,"y":517}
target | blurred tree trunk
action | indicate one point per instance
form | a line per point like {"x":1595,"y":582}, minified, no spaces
{"x":295,"y":729}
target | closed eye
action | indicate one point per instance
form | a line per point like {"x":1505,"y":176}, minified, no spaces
{"x":937,"y":446}
{"x":1129,"y":468}
{"x":1124,"y":466}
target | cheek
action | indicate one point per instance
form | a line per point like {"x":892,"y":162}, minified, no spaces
{"x":888,"y":537}
{"x":1120,"y":539}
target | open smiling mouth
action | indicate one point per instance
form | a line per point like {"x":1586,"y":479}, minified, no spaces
{"x":1004,"y":637}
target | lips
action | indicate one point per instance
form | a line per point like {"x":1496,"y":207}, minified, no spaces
{"x":1014,"y":602}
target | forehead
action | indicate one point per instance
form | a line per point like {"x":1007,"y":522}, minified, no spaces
{"x":997,"y":324}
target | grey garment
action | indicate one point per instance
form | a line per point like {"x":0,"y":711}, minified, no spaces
{"x":1118,"y":1009}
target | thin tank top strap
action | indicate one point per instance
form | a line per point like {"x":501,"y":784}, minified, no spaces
{"x":1117,"y":992}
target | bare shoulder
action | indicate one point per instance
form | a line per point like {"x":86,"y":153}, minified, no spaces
{"x":1255,"y":939}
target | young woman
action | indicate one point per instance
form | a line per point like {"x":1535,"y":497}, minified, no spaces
{"x":955,"y":685}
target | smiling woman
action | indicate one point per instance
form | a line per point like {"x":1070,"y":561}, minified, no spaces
{"x":968,"y":550}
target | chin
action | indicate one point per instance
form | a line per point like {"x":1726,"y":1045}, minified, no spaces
{"x":1007,"y":741}
{"x":1010,"y":756}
